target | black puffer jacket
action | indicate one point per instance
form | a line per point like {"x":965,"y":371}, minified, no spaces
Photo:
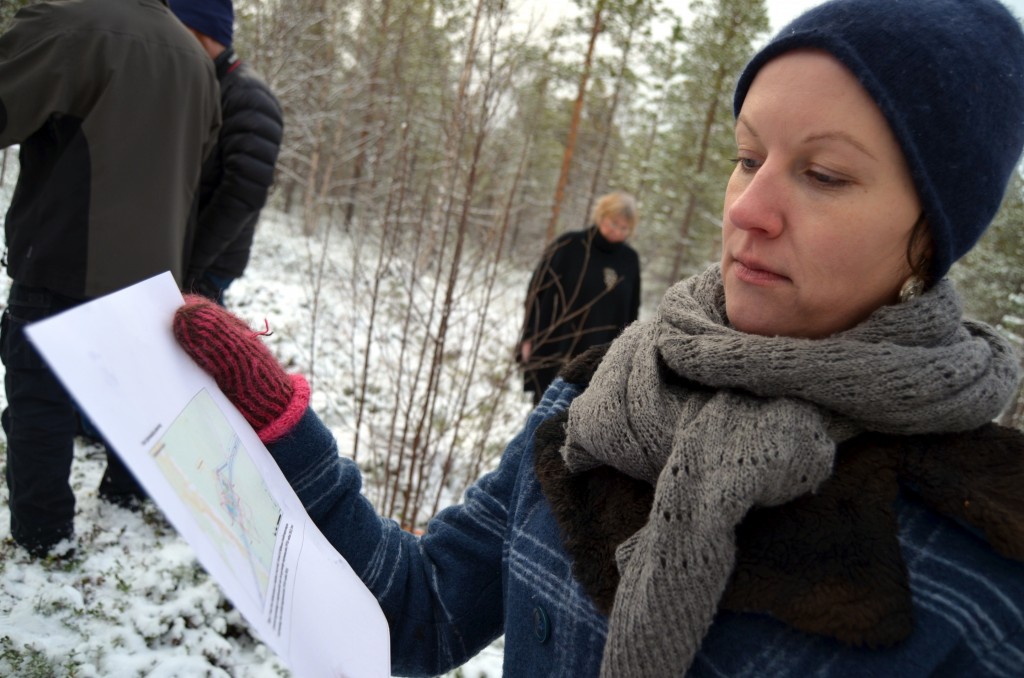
{"x":238,"y":174}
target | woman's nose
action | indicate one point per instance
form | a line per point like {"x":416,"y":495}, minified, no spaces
{"x":758,"y":203}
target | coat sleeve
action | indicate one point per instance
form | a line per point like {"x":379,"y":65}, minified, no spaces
{"x":544,"y":291}
{"x":42,"y":67}
{"x":442,"y":593}
{"x":247,"y":150}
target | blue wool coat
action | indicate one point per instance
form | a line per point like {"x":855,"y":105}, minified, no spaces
{"x":495,"y":565}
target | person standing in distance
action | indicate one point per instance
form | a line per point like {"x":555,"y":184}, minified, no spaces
{"x":238,"y":174}
{"x":114,"y":107}
{"x":584,"y":291}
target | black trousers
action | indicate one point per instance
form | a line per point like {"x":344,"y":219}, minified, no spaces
{"x":41,"y":421}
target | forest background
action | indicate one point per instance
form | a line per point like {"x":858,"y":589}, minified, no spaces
{"x":432,"y":149}
{"x":450,"y":141}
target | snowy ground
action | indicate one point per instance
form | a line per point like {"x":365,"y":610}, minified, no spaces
{"x":133,"y":601}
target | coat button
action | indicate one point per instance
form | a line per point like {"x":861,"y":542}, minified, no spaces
{"x":541,"y":625}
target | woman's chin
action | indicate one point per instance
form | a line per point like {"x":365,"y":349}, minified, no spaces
{"x":752,"y":319}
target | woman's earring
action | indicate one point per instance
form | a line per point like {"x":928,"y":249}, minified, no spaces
{"x":911,"y":289}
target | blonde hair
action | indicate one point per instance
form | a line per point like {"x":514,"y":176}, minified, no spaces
{"x":615,"y":204}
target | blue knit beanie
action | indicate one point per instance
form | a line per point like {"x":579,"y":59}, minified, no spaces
{"x":949,"y":77}
{"x":215,"y":18}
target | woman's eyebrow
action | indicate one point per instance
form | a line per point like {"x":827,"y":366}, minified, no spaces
{"x":839,"y":135}
{"x":740,"y":119}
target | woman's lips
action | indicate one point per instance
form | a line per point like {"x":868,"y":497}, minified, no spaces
{"x":754,"y":273}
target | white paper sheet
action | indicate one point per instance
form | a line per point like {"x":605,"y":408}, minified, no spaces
{"x":205,"y":467}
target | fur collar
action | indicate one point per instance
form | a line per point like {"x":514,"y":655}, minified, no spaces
{"x":827,"y":563}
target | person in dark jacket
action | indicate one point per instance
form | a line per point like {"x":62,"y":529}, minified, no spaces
{"x":238,"y":174}
{"x":584,"y":291}
{"x":792,"y":468}
{"x":115,"y":107}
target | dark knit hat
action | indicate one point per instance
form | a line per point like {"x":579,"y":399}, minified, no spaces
{"x":215,"y":18}
{"x":949,"y":77}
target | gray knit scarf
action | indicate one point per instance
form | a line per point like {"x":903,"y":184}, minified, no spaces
{"x":719,"y":421}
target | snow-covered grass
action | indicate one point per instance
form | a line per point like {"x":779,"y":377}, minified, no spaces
{"x":133,"y":601}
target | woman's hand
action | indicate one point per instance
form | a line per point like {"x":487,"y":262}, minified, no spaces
{"x":525,"y":349}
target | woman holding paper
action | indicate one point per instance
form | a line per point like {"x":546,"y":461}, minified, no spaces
{"x":791,"y":469}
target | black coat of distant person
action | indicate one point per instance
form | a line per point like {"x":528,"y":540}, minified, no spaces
{"x":582,"y":294}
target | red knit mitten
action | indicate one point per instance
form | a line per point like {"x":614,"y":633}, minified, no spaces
{"x":244,"y":369}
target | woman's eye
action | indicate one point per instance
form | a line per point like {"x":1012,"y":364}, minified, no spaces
{"x":826,"y":180}
{"x":746,"y":164}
